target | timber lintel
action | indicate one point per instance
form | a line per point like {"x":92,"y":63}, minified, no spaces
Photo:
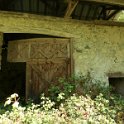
{"x":12,"y":22}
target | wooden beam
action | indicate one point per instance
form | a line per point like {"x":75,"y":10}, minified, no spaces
{"x":110,"y":2}
{"x":71,"y":6}
{"x":13,"y":22}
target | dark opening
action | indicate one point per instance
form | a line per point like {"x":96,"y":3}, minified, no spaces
{"x":13,"y":75}
{"x":117,"y":84}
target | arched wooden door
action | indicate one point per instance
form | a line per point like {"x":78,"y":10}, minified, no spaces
{"x":46,"y":59}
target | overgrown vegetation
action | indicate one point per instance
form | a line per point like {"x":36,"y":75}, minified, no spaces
{"x":73,"y":101}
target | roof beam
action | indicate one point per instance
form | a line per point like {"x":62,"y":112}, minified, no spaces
{"x":13,"y":22}
{"x":110,"y":2}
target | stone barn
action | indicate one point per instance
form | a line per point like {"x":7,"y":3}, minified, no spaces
{"x":42,"y":40}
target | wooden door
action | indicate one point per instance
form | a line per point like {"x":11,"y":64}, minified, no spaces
{"x":50,"y":59}
{"x":41,"y":75}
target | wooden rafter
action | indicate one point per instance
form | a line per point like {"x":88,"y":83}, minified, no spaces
{"x":71,"y":6}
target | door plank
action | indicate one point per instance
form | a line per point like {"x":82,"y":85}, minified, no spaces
{"x":38,"y":48}
{"x":42,"y":75}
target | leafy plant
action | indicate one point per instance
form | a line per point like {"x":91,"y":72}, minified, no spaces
{"x":75,"y":109}
{"x":74,"y":101}
{"x":80,"y":85}
{"x":13,"y":99}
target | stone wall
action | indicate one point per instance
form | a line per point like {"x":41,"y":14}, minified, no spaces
{"x":98,"y":48}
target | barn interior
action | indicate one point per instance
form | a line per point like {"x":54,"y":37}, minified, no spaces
{"x":11,"y":73}
{"x":88,"y":10}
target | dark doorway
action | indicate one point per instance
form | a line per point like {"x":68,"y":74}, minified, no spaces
{"x":117,"y":84}
{"x":12,"y":77}
{"x":13,"y":74}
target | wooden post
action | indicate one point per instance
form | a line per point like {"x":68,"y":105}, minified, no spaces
{"x":1,"y":43}
{"x":71,"y":6}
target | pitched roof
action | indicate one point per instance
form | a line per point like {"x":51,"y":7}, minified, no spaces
{"x":84,"y":10}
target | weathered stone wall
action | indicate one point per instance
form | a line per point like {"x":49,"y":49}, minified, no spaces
{"x":100,"y":50}
{"x":97,"y":47}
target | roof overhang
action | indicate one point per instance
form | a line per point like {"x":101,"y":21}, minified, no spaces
{"x":110,"y":2}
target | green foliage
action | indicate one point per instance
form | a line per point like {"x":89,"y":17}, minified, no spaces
{"x":67,"y":87}
{"x":13,"y":99}
{"x":74,"y":110}
{"x":74,"y":101}
{"x":80,"y":85}
{"x":119,"y":16}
